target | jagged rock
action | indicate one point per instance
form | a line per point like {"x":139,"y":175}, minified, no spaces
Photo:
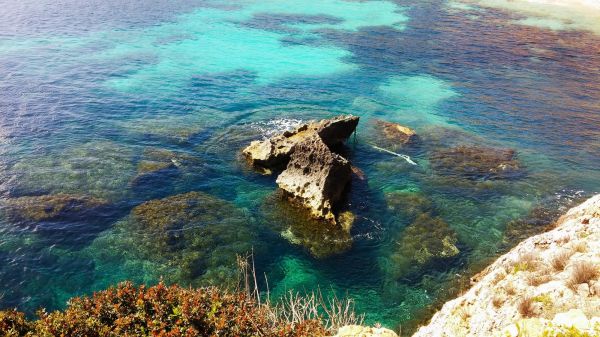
{"x":276,"y":151}
{"x":397,"y":133}
{"x":52,"y":207}
{"x":335,"y":131}
{"x":476,"y":163}
{"x":316,"y":177}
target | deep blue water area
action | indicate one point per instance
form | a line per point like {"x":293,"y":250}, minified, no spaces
{"x":108,"y":105}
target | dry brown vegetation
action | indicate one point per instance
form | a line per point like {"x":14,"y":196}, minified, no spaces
{"x":580,"y":247}
{"x":561,"y":259}
{"x":542,"y":277}
{"x":497,"y":301}
{"x":526,"y":307}
{"x":510,"y":289}
{"x":526,"y":262}
{"x":582,"y":272}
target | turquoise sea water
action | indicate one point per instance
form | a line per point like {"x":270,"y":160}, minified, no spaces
{"x":91,"y":92}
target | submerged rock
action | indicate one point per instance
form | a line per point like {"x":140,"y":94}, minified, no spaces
{"x":396,"y":133}
{"x":426,"y":239}
{"x":320,"y":238}
{"x":102,"y":169}
{"x":52,"y":207}
{"x":156,"y":163}
{"x":408,"y":203}
{"x":176,"y":129}
{"x":149,"y":167}
{"x":276,"y":151}
{"x":316,"y":177}
{"x":539,"y":219}
{"x":195,"y":233}
{"x":476,"y":162}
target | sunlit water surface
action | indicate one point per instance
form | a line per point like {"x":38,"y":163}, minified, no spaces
{"x":93,"y":92}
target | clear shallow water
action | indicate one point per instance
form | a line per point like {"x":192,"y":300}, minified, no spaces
{"x":90,"y":93}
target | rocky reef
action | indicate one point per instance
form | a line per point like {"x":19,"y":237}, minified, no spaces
{"x":52,"y":207}
{"x":156,"y":164}
{"x":196,"y":236}
{"x":476,"y":162}
{"x":425,"y":240}
{"x":549,"y":285}
{"x":102,"y":169}
{"x":393,"y":135}
{"x":320,"y":238}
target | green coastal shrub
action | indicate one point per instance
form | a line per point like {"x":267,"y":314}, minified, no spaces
{"x":163,"y":311}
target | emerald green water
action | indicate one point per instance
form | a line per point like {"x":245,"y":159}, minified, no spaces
{"x":92,"y":93}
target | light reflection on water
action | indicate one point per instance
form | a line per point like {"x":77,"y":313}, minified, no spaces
{"x":69,"y":126}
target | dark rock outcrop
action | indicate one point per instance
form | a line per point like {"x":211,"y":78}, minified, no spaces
{"x":316,"y":177}
{"x":276,"y":151}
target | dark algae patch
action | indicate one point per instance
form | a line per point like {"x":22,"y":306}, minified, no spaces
{"x":194,"y":233}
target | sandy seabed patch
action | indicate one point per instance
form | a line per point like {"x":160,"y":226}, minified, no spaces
{"x":551,"y":14}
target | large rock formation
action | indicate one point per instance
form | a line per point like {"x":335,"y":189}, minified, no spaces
{"x":316,"y":177}
{"x":549,"y":285}
{"x":276,"y":151}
